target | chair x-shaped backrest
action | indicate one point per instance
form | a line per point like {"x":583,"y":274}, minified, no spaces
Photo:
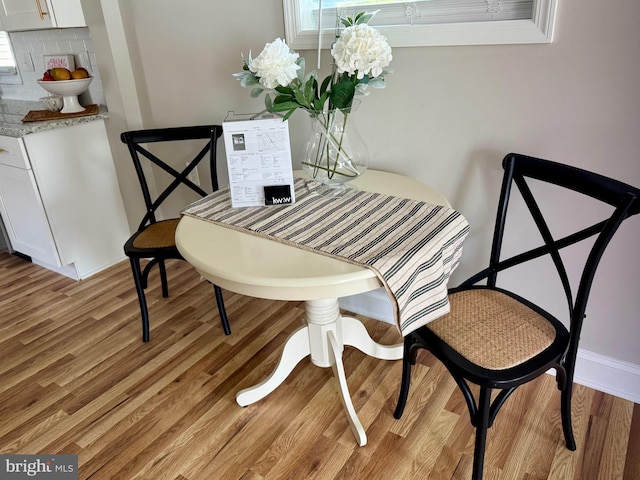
{"x":625,"y":199}
{"x":135,"y":141}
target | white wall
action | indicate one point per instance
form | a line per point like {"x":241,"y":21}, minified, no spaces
{"x":447,"y":116}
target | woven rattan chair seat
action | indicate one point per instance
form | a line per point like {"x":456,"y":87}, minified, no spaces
{"x":493,"y":330}
{"x":158,"y":235}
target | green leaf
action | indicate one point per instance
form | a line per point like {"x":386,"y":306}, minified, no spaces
{"x":310,"y":90}
{"x":377,"y":82}
{"x":318,"y":103}
{"x":245,"y":78}
{"x":342,"y":93}
{"x":248,"y":80}
{"x":282,"y":107}
{"x":256,"y":92}
{"x":284,"y":98}
{"x":278,"y":105}
{"x":325,"y":85}
{"x":267,"y":102}
{"x":310,"y":77}
{"x":300,"y":98}
{"x":365,"y":17}
{"x":361,"y":17}
{"x":288,"y":114}
{"x":284,"y":90}
{"x":301,"y":63}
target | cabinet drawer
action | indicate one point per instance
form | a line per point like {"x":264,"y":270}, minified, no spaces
{"x":24,"y":215}
{"x":13,"y":153}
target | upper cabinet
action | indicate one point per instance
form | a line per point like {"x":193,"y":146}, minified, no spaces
{"x":18,"y":15}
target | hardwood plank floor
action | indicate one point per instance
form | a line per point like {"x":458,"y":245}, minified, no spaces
{"x":75,"y":377}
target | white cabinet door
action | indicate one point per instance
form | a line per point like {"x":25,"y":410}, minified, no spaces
{"x":37,"y":14}
{"x":25,"y":14}
{"x":67,"y":13}
{"x":24,"y":215}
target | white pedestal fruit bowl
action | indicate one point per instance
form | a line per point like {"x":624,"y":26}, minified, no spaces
{"x":69,"y":90}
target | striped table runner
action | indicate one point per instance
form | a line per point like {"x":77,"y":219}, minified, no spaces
{"x":412,"y":246}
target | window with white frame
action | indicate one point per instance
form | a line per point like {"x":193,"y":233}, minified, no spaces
{"x":425,"y":22}
{"x":9,"y":73}
{"x":7,"y":62}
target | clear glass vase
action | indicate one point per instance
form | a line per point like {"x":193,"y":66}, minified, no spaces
{"x":335,"y":152}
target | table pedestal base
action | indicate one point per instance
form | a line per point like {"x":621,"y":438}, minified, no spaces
{"x":323,"y":339}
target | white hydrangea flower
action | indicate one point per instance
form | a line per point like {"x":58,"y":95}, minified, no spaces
{"x":276,"y":64}
{"x":362,"y":49}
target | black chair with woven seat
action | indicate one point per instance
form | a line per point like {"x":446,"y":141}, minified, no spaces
{"x":498,"y":340}
{"x":155,"y":239}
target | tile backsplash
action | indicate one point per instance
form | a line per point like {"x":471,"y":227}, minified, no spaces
{"x":34,"y":44}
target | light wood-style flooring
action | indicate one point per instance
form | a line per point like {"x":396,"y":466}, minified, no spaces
{"x":75,"y":377}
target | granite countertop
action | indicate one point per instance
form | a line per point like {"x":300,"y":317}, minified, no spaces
{"x":13,"y":111}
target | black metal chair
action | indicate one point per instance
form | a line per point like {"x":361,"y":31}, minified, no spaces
{"x":496,"y":339}
{"x":155,"y":239}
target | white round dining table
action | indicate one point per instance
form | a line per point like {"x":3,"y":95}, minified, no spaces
{"x":255,"y":266}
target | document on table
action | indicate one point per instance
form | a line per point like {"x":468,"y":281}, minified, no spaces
{"x":258,"y":156}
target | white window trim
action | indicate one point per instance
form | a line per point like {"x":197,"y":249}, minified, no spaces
{"x":538,"y":29}
{"x":9,"y":74}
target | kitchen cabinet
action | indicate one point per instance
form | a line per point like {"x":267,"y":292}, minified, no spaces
{"x":18,"y":15}
{"x":22,"y":206}
{"x":60,"y":200}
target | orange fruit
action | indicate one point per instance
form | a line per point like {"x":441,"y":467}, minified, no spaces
{"x":60,"y":74}
{"x":79,"y":73}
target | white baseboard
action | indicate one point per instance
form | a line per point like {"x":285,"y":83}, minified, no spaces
{"x":66,"y":270}
{"x":72,"y":271}
{"x":593,"y":370}
{"x":608,"y":375}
